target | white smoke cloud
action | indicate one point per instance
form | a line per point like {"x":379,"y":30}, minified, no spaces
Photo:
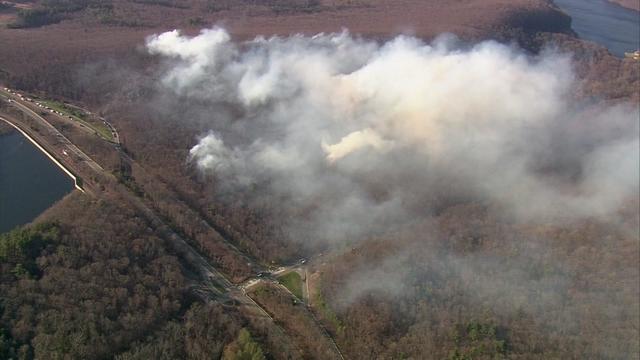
{"x":364,"y":134}
{"x":353,"y":142}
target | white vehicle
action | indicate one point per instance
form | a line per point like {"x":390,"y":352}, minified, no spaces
{"x":65,"y":152}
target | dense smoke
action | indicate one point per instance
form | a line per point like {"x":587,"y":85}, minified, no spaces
{"x":356,"y":136}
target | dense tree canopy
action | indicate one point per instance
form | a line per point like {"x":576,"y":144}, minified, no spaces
{"x":97,"y":282}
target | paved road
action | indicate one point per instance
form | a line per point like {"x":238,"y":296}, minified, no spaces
{"x":67,"y":144}
{"x":213,"y":284}
{"x":206,"y":271}
{"x":18,"y":98}
{"x":83,"y":157}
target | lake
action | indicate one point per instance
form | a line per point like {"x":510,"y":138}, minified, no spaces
{"x":607,"y":24}
{"x":29,"y":181}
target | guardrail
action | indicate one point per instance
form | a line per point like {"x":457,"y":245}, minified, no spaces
{"x":77,"y":181}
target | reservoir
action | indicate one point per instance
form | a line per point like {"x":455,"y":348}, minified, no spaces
{"x":602,"y":22}
{"x":29,"y":181}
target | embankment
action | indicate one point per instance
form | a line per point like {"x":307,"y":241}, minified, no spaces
{"x":76,"y":180}
{"x":5,"y":129}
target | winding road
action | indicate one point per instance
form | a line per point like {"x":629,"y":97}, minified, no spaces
{"x":212,"y":284}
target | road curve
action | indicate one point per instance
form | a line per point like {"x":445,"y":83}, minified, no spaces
{"x":213,"y":284}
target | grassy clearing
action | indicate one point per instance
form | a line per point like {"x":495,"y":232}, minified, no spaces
{"x":293,"y":282}
{"x":215,"y":285}
{"x":327,"y":313}
{"x":81,"y":117}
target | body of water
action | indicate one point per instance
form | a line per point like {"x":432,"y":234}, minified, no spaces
{"x":29,"y":181}
{"x":605,"y":23}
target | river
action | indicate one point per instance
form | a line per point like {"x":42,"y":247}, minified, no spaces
{"x":29,"y":181}
{"x":607,"y":24}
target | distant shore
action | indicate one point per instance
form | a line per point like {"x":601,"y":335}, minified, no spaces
{"x":629,"y":4}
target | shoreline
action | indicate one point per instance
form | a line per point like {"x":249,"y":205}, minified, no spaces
{"x":613,"y":32}
{"x":5,"y":129}
{"x":67,"y":171}
{"x":633,"y":5}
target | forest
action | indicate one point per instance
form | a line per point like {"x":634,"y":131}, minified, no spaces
{"x":484,"y":288}
{"x":92,"y":280}
{"x":461,"y":279}
{"x":50,"y":12}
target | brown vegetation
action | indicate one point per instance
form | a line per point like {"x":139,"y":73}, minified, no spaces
{"x":109,"y":283}
{"x":82,"y":36}
{"x":93,"y":280}
{"x":629,"y":4}
{"x":105,"y":278}
{"x":541,"y":291}
{"x":291,"y":314}
{"x":601,"y":75}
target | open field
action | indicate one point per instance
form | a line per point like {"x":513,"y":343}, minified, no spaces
{"x":293,"y":282}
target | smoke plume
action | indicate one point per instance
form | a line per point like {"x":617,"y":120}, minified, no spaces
{"x":354,"y":136}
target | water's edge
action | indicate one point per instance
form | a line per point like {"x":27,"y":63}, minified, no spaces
{"x":614,"y":2}
{"x":613,"y":26}
{"x":30,"y":183}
